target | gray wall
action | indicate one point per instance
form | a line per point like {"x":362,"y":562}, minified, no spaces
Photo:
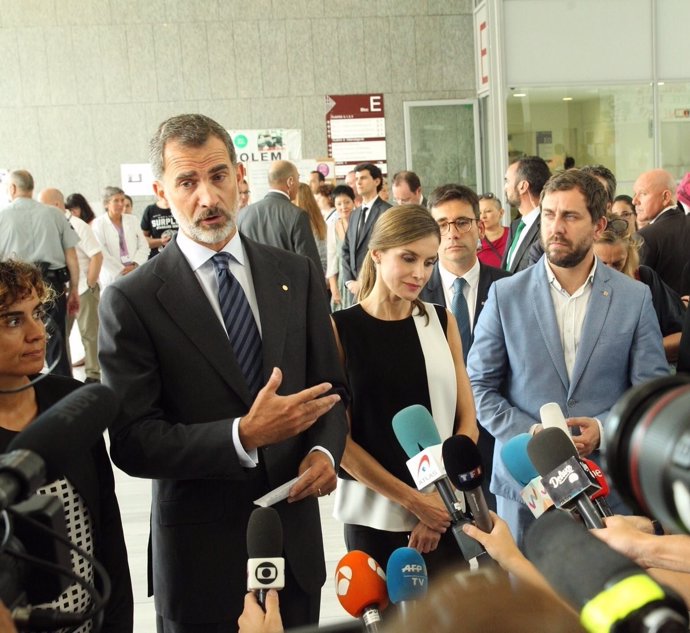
{"x":84,"y":83}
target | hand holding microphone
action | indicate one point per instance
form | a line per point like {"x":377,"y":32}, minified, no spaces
{"x":265,"y":563}
{"x":255,"y":620}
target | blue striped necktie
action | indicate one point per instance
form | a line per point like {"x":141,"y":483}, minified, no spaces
{"x":239,"y":323}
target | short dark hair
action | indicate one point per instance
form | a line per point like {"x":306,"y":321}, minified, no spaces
{"x":446,"y":193}
{"x":343,"y":190}
{"x":374,"y":172}
{"x":606,"y":175}
{"x":409,"y":177}
{"x":535,"y":171}
{"x":18,"y":280}
{"x":626,"y":199}
{"x":593,"y":191}
{"x":322,"y":178}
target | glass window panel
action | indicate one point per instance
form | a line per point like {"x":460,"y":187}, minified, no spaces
{"x":610,"y":125}
{"x":674,"y":115}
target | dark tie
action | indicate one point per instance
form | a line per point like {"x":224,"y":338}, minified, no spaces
{"x":239,"y":322}
{"x":513,"y":243}
{"x":362,"y":222}
{"x":458,"y":307}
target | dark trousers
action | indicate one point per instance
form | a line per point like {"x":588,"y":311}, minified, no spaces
{"x":380,"y":544}
{"x":58,"y":345}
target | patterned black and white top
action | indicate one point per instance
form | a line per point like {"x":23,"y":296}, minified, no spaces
{"x":75,"y":598}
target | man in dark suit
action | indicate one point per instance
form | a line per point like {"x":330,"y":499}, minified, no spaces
{"x":368,"y":183}
{"x":224,"y":356}
{"x":275,"y":220}
{"x":456,"y":209}
{"x":666,"y":234}
{"x":524,"y":181}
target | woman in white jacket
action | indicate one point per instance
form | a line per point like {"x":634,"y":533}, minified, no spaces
{"x":124,"y":245}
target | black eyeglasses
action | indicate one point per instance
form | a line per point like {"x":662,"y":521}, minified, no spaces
{"x":461,"y":224}
{"x":619,"y":226}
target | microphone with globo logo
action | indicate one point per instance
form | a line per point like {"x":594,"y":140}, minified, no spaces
{"x":265,"y":563}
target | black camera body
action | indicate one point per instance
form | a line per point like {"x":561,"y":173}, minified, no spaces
{"x":648,"y":449}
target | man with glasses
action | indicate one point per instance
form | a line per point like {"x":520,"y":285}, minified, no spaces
{"x":459,"y":280}
{"x":567,"y":330}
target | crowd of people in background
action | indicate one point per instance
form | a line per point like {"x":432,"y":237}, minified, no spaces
{"x":442,"y":299}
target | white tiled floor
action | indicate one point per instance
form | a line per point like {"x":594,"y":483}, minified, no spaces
{"x":134,"y":496}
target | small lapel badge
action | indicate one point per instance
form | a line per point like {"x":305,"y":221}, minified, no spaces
{"x":285,"y":288}
{"x":604,"y":292}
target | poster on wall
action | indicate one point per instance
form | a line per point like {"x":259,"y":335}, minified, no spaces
{"x":137,"y":179}
{"x":257,"y":149}
{"x":356,"y":131}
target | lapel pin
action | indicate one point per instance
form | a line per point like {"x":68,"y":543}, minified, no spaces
{"x":285,"y":288}
{"x":604,"y":292}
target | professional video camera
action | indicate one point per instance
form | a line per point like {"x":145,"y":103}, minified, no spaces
{"x":35,"y":565}
{"x":648,"y":449}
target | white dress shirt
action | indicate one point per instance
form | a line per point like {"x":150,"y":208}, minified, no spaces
{"x":470,"y":289}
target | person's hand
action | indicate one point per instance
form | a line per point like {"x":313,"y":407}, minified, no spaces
{"x":254,"y":620}
{"x":336,"y":298}
{"x":627,"y":535}
{"x":685,"y":299}
{"x":429,"y":509}
{"x":499,"y":543}
{"x":353,"y":287}
{"x":319,"y":480}
{"x":73,"y":301}
{"x":273,"y":418}
{"x":6,"y":621}
{"x":588,"y":440}
{"x":423,"y":538}
{"x":127,"y":269}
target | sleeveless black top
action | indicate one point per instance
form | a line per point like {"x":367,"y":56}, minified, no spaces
{"x":385,"y":367}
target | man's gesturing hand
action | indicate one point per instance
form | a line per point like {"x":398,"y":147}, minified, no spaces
{"x":274,"y":418}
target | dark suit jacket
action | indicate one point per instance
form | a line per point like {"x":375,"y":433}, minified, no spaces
{"x":666,"y":246}
{"x":433,"y":291}
{"x":163,"y":349}
{"x":277,"y":222}
{"x":355,"y":246}
{"x":92,"y":477}
{"x":522,"y":256}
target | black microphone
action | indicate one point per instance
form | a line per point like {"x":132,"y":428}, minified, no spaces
{"x":417,"y":433}
{"x":464,"y":467}
{"x":612,"y":593}
{"x":556,"y":459}
{"x":54,"y":440}
{"x":265,"y":563}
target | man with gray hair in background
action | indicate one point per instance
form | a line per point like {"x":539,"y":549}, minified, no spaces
{"x":41,"y":235}
{"x":275,"y":220}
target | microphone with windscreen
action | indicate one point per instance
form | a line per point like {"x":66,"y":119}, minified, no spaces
{"x":552,"y":417}
{"x":557,"y":461}
{"x":599,"y":496}
{"x":611,"y":592}
{"x":521,"y":469}
{"x":55,"y":440}
{"x":360,"y":584}
{"x":416,"y":431}
{"x":265,"y":562}
{"x":463,"y":464}
{"x":406,"y":579}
